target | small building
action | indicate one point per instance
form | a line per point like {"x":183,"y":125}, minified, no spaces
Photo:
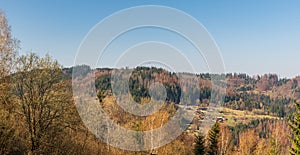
{"x":220,"y":119}
{"x":203,"y":108}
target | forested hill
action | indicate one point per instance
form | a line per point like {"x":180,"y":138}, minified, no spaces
{"x":267,"y":94}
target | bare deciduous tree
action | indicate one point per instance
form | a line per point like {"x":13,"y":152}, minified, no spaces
{"x":8,"y":52}
{"x":8,"y":47}
{"x":44,"y":100}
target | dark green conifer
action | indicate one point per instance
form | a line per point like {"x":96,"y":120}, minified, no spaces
{"x":213,"y":137}
{"x":295,"y":127}
{"x":200,"y":144}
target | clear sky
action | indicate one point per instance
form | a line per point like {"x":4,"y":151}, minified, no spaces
{"x":254,"y":37}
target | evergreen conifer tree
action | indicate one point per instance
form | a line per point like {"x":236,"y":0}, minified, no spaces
{"x":295,"y":127}
{"x":200,"y":144}
{"x":213,"y":137}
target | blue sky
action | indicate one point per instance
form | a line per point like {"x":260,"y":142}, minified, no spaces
{"x":254,"y":37}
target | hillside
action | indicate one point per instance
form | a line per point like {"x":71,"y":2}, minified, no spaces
{"x":265,"y":94}
{"x":258,"y":106}
{"x":254,"y":112}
